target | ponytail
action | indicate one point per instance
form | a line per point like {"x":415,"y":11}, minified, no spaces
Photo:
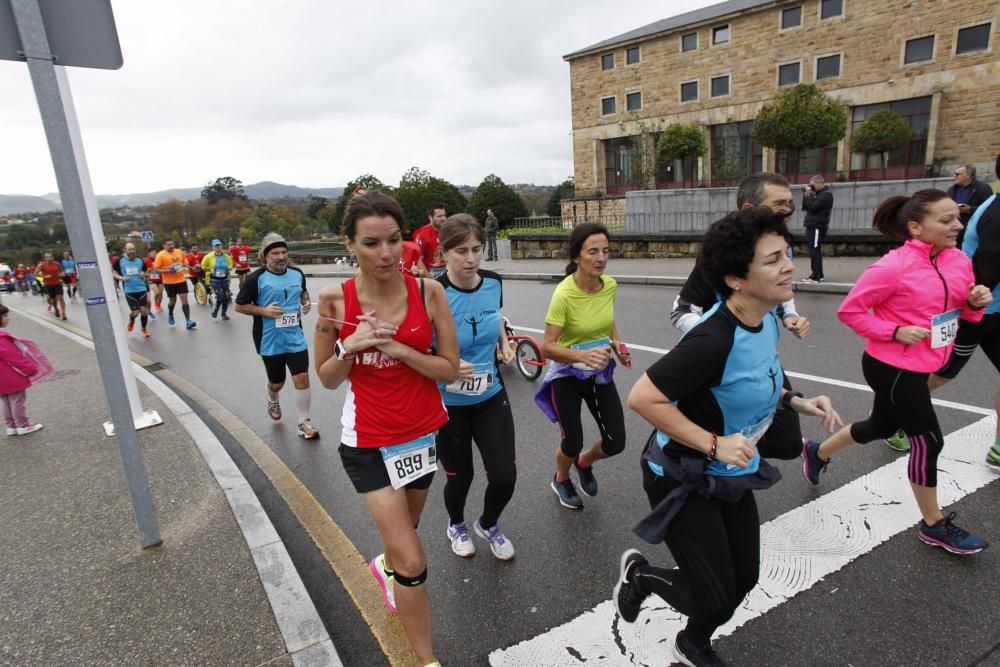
{"x":892,"y":217}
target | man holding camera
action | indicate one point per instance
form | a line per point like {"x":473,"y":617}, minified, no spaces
{"x":817,"y":202}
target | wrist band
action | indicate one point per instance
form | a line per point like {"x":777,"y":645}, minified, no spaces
{"x":786,"y":400}
{"x":715,"y":445}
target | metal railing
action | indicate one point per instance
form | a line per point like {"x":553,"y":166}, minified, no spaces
{"x":299,"y":250}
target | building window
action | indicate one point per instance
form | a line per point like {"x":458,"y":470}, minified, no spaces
{"x":689,"y":42}
{"x":633,"y":101}
{"x":811,"y":161}
{"x":620,"y":158}
{"x":720,"y":85}
{"x":831,"y":8}
{"x":975,"y":38}
{"x":789,"y":74}
{"x":791,"y":17}
{"x":608,"y":61}
{"x":608,"y":106}
{"x":720,"y":34}
{"x":632,"y":55}
{"x":908,"y":161}
{"x":828,"y":67}
{"x":918,"y":50}
{"x":689,"y":91}
{"x":735,"y":155}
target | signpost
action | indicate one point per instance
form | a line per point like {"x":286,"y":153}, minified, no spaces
{"x":82,"y":33}
{"x":148,"y":237}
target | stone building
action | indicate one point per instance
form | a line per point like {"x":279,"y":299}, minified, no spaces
{"x":935,"y":62}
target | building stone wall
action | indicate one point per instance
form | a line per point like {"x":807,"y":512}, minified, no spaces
{"x":870,"y":37}
{"x":608,"y":210}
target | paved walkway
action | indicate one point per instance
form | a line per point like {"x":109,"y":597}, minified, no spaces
{"x":77,"y":588}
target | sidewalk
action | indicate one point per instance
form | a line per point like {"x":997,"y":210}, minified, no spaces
{"x":77,"y":588}
{"x":841,"y":272}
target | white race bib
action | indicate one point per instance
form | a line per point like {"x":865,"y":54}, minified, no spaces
{"x":131,"y":271}
{"x":944,"y":328}
{"x":286,"y":320}
{"x":220,"y":274}
{"x":243,"y":259}
{"x":589,"y":345}
{"x":410,"y":460}
{"x":154,"y":275}
{"x":477,"y":385}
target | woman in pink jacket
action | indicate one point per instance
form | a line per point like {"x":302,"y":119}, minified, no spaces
{"x":907,"y":306}
{"x":16,"y":372}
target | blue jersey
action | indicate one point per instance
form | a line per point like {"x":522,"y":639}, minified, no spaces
{"x":477,"y":321}
{"x":982,"y":245}
{"x":220,"y":269}
{"x":725,"y":377}
{"x":276,"y":335}
{"x":69,"y":266}
{"x":131,"y":270}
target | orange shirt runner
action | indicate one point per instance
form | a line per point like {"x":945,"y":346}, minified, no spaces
{"x":171,"y":266}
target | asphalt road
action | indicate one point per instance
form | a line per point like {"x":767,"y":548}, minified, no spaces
{"x":902,"y":603}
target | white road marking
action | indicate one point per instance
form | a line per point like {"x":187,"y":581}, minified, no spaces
{"x":974,"y":409}
{"x":798,"y":549}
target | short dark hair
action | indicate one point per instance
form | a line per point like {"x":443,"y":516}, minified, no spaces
{"x":578,"y":237}
{"x":3,"y":310}
{"x":371,"y":203}
{"x":730,"y":244}
{"x":751,"y":190}
{"x":435,"y":206}
{"x":893,"y":214}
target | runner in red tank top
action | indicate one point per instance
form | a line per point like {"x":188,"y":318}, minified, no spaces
{"x":375,"y":332}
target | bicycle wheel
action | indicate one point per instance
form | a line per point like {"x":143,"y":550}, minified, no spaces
{"x":200,"y":293}
{"x":529,"y":359}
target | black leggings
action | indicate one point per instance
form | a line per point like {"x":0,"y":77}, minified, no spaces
{"x":902,"y":400}
{"x":985,"y":334}
{"x":783,"y":439}
{"x":716,"y":545}
{"x":491,"y":425}
{"x":604,"y":404}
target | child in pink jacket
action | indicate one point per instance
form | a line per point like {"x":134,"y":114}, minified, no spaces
{"x":21,"y":364}
{"x":907,"y":306}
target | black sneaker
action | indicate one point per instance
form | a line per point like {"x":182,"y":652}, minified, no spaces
{"x":694,"y":656}
{"x":626,"y":596}
{"x":812,"y":464}
{"x":950,"y":537}
{"x":567,"y":494}
{"x":588,"y":483}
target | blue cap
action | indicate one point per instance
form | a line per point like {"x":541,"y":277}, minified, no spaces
{"x":216,"y":242}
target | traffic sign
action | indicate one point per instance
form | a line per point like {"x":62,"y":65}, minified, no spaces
{"x":147,"y":237}
{"x":81,"y":33}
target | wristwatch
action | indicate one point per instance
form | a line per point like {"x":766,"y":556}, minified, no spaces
{"x":341,"y":351}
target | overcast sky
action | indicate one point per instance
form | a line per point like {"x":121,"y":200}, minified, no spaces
{"x":315,"y":92}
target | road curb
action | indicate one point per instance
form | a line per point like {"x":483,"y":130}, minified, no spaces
{"x":302,"y":630}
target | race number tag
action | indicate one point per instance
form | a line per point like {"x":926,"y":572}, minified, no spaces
{"x":131,"y":271}
{"x":589,"y":345}
{"x":477,"y":385}
{"x":243,"y":259}
{"x":220,"y":274}
{"x":287,"y":320}
{"x":154,"y":275}
{"x":410,"y":460}
{"x":944,"y":328}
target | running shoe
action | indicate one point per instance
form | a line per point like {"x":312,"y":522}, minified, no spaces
{"x":63,"y":318}
{"x":993,"y":458}
{"x":158,"y":308}
{"x":499,"y":544}
{"x":130,"y":326}
{"x":215,"y":314}
{"x":29,"y":429}
{"x":50,"y":307}
{"x":56,"y":313}
{"x":950,"y":537}
{"x":898,"y":441}
{"x":461,"y":543}
{"x":306,"y":430}
{"x":812,"y":464}
{"x":11,"y":431}
{"x":152,"y":315}
{"x":377,"y":568}
{"x":695,"y":656}
{"x":808,"y":280}
{"x":145,"y":334}
{"x":191,"y":324}
{"x":273,"y":409}
{"x":588,"y":483}
{"x":626,"y":596}
{"x":225,"y":317}
{"x":567,"y":494}
{"x":170,"y":319}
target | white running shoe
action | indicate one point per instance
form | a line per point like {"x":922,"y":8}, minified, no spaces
{"x":11,"y":431}
{"x":461,"y":543}
{"x":29,"y":429}
{"x":385,"y":581}
{"x":499,"y":544}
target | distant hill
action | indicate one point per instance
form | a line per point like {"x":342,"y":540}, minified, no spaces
{"x":11,"y":204}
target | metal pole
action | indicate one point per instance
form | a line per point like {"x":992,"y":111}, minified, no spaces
{"x":86,"y":236}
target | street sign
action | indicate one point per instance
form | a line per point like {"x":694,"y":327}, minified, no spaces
{"x":147,"y":237}
{"x":81,"y":33}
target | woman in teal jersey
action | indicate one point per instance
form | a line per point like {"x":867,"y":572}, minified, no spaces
{"x":477,"y":403}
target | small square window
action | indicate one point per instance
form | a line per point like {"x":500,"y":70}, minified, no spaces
{"x":720,"y":34}
{"x":689,"y":91}
{"x":608,"y":61}
{"x":632,"y":55}
{"x":689,"y":42}
{"x":608,"y":106}
{"x":919,"y":50}
{"x":789,"y":74}
{"x":791,"y":17}
{"x":976,"y":38}
{"x":720,"y":86}
{"x":830,"y":8}
{"x":633,"y":101}
{"x":828,"y":67}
